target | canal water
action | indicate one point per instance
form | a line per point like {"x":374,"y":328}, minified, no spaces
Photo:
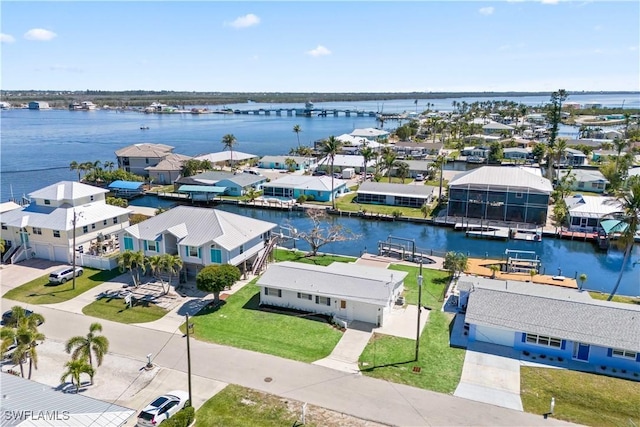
{"x":564,"y":257}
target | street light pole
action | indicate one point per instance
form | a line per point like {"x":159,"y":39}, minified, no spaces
{"x":189,"y":360}
{"x":419,"y":311}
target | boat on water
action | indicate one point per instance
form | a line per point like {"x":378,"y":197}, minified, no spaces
{"x":143,"y":127}
{"x":308,"y":105}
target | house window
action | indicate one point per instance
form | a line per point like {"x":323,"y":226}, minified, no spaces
{"x":56,"y":233}
{"x":518,"y":195}
{"x":304,"y":296}
{"x":323,"y":300}
{"x":146,"y":160}
{"x":104,"y":222}
{"x":544,"y":340}
{"x":581,"y":185}
{"x":37,"y":230}
{"x":4,"y":226}
{"x":47,"y":201}
{"x":85,"y":229}
{"x":241,"y":249}
{"x":625,"y":354}
{"x":152,"y":246}
{"x":273,"y":292}
{"x":93,"y":226}
{"x":115,"y":220}
{"x":193,"y":251}
{"x":91,"y":198}
{"x":343,"y":304}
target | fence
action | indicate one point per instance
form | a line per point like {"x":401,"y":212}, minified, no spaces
{"x":100,"y":263}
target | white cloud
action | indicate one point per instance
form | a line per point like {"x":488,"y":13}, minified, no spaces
{"x":6,"y":38}
{"x":40,"y":34}
{"x":486,"y":11}
{"x":245,"y":21}
{"x":319,"y":51}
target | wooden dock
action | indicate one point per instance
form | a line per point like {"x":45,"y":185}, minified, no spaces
{"x":480,"y":267}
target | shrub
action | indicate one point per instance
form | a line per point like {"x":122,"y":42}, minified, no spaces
{"x":182,"y":418}
{"x":310,"y":197}
{"x":301,"y":199}
{"x":396,"y":213}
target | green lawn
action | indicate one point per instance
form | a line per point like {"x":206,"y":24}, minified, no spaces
{"x":299,"y":256}
{"x":240,"y":322}
{"x":392,"y":358}
{"x":346,"y":204}
{"x":241,"y":407}
{"x":117,"y":310}
{"x":583,"y":398}
{"x":40,"y":291}
{"x":616,"y":298}
{"x":434,"y":283}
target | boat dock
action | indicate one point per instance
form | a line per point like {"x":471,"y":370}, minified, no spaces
{"x":499,"y":232}
{"x":307,"y":112}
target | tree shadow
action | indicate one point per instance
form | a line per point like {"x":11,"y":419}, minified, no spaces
{"x":210,"y":308}
{"x":254,"y":304}
{"x":387,"y":365}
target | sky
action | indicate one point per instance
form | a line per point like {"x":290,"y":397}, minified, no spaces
{"x":330,"y":46}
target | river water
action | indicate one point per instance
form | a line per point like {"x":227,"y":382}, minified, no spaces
{"x":37,"y":147}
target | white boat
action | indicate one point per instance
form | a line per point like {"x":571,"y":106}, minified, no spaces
{"x":4,"y":105}
{"x":88,"y":106}
{"x":308,"y":105}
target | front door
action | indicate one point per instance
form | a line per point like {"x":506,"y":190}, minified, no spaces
{"x":24,"y":238}
{"x":583,"y":222}
{"x":581,"y":351}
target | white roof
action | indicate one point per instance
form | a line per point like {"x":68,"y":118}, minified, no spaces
{"x":198,"y":226}
{"x":501,"y":177}
{"x":369,"y":132}
{"x":372,"y":285}
{"x":580,"y":205}
{"x":345,"y":160}
{"x":350,"y":139}
{"x":52,"y":218}
{"x":402,"y":190}
{"x":67,"y":190}
{"x":496,"y":125}
{"x":584,"y":175}
{"x":224,"y":156}
{"x":316,"y":183}
{"x":8,"y":206}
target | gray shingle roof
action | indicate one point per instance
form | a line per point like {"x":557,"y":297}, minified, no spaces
{"x":497,"y":177}
{"x":372,"y":285}
{"x":395,"y":189}
{"x":69,"y":409}
{"x":201,"y":225}
{"x":607,"y":325}
{"x":145,"y":149}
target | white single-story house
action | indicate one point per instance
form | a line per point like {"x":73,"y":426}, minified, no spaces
{"x":553,"y":321}
{"x":45,"y":228}
{"x":225,"y":157}
{"x":294,"y":186}
{"x":280,"y":162}
{"x":168,"y":170}
{"x":417,"y":150}
{"x":229,"y":183}
{"x":516,"y":153}
{"x":344,"y":291}
{"x":381,"y":193}
{"x":370,"y":133}
{"x":137,"y":157}
{"x":586,"y":212}
{"x":200,"y":236}
{"x":343,"y":161}
{"x":353,"y":144}
{"x":494,"y":128}
{"x":418,"y":167}
{"x":590,"y":180}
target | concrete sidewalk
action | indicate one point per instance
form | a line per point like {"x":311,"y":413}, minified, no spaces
{"x":346,"y":353}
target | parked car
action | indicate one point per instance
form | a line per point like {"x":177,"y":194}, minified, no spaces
{"x":7,"y":317}
{"x":64,"y":274}
{"x":163,"y":408}
{"x":419,"y":177}
{"x":251,"y":171}
{"x":319,"y":173}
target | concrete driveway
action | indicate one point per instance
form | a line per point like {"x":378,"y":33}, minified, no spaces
{"x":490,"y":375}
{"x":14,"y":275}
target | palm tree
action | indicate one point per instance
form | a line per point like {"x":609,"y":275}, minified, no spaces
{"x":297,"y":129}
{"x":252,"y":194}
{"x":402,"y":170}
{"x":559,"y":149}
{"x":83,"y":347}
{"x":388,"y":160}
{"x":228,"y":141}
{"x":155,"y":265}
{"x":367,"y":154}
{"x":629,"y":199}
{"x":75,"y":368}
{"x":439,"y":163}
{"x":330,"y":148}
{"x":27,"y":339}
{"x":132,"y":261}
{"x":171,"y":264}
{"x":619,"y":144}
{"x":75,"y":166}
{"x":109,"y":165}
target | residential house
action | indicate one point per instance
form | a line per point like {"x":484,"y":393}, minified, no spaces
{"x":371,"y":133}
{"x":353,"y":145}
{"x":602,"y":155}
{"x":168,"y":170}
{"x":224,"y":158}
{"x":565,"y":324}
{"x":495,"y":128}
{"x":590,"y":180}
{"x":479,"y":152}
{"x":344,"y":161}
{"x":59,"y":214}
{"x":416,"y":167}
{"x":280,"y":162}
{"x":417,"y":150}
{"x":137,"y":157}
{"x":587,"y":212}
{"x":39,"y":105}
{"x":200,"y":236}
{"x":573,"y":157}
{"x":500,"y":193}
{"x":516,"y":153}
{"x":229,"y":183}
{"x":344,"y":291}
{"x":381,"y":193}
{"x":316,"y":187}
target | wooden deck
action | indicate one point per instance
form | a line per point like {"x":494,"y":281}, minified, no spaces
{"x":577,"y":235}
{"x":480,"y":267}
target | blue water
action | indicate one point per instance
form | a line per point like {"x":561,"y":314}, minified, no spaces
{"x":37,"y":147}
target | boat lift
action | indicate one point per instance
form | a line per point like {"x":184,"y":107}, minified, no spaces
{"x":522,"y":261}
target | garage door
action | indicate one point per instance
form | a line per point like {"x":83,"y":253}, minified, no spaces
{"x":41,"y":251}
{"x":495,"y":335}
{"x":61,"y":254}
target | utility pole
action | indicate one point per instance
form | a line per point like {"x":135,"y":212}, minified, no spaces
{"x":189,"y":359}
{"x":73,"y":251}
{"x":419,"y":312}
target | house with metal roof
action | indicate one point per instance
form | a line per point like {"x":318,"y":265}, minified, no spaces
{"x":220,"y":182}
{"x":590,"y":180}
{"x":59,"y":214}
{"x":495,"y":128}
{"x":557,"y":322}
{"x":382,"y":193}
{"x":417,"y":150}
{"x":573,"y":157}
{"x":370,"y":133}
{"x":343,"y":291}
{"x":280,"y":162}
{"x":137,"y":157}
{"x":344,"y":161}
{"x":517,"y":153}
{"x":26,"y":403}
{"x":200,"y":236}
{"x":587,"y":212}
{"x":225,"y":157}
{"x":168,"y":170}
{"x":501,"y":194}
{"x":127,"y":189}
{"x":320,"y":188}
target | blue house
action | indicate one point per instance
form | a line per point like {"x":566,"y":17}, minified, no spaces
{"x":127,"y":189}
{"x":316,"y":187}
{"x":554,"y":322}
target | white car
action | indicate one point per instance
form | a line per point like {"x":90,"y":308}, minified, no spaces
{"x":64,"y":274}
{"x":162,"y":408}
{"x":419,"y":177}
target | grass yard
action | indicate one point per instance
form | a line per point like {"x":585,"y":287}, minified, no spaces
{"x":299,"y":256}
{"x":117,"y":310}
{"x":40,"y":291}
{"x":346,"y":204}
{"x":616,"y":298}
{"x":434,"y":284}
{"x":239,"y":322}
{"x":392,"y":358}
{"x":583,"y":398}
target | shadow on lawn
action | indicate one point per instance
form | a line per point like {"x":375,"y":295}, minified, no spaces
{"x":387,"y":365}
{"x":254,"y":304}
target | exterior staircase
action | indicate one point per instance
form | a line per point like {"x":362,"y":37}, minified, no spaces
{"x":262,"y":258}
